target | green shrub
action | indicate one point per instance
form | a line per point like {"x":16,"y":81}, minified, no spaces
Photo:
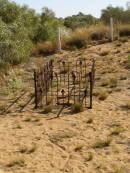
{"x":15,"y":45}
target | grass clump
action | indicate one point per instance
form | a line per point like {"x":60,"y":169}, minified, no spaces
{"x":28,"y":150}
{"x":47,"y":109}
{"x":123,"y":39}
{"x":89,"y":121}
{"x":89,"y":157}
{"x":20,"y":162}
{"x":124,"y":30}
{"x":117,"y":131}
{"x":102,"y":143}
{"x":104,"y":53}
{"x":105,"y":83}
{"x":77,"y":108}
{"x":45,"y":48}
{"x":60,"y":136}
{"x":78,"y":148}
{"x":4,"y":66}
{"x":76,"y":43}
{"x":15,"y":84}
{"x":123,"y":77}
{"x":102,"y":95}
{"x":128,"y":61}
{"x":64,"y":71}
{"x":113,"y":82}
{"x":27,"y":119}
{"x":120,"y":169}
{"x":126,"y":105}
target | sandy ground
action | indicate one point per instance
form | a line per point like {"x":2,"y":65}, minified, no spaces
{"x":94,"y":141}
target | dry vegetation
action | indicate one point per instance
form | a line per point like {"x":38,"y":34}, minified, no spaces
{"x":89,"y":141}
{"x":83,"y":37}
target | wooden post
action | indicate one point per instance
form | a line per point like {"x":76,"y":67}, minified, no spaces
{"x":59,"y":40}
{"x":111,"y":29}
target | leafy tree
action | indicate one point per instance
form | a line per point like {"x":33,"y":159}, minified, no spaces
{"x":47,"y":27}
{"x":79,"y":20}
{"x":115,"y":12}
{"x":9,"y":11}
{"x":47,"y":14}
{"x":15,"y":45}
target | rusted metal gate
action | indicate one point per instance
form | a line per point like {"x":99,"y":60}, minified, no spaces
{"x":65,"y":83}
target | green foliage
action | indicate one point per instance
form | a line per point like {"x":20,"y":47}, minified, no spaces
{"x":9,"y":11}
{"x":119,"y":14}
{"x":15,"y":45}
{"x":21,"y":27}
{"x":47,"y":27}
{"x":79,"y":20}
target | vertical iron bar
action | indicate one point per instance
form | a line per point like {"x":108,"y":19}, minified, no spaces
{"x":35,"y":85}
{"x":57,"y":86}
{"x":91,"y":89}
{"x":68,"y":84}
{"x":79,"y":87}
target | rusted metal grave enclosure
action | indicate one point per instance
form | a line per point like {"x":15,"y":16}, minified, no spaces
{"x":64,"y":83}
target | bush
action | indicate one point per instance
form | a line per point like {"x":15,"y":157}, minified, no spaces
{"x":124,"y":30}
{"x":45,"y":48}
{"x":15,"y":45}
{"x":99,"y":32}
{"x":82,"y":36}
{"x":77,"y":43}
{"x":4,"y":66}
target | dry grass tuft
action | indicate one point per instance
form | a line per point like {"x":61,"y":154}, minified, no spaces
{"x":113,"y":82}
{"x":104,"y":53}
{"x":120,"y":169}
{"x":126,"y":105}
{"x":59,"y":136}
{"x":81,"y":37}
{"x":28,"y":150}
{"x":124,"y":30}
{"x":20,"y":162}
{"x":47,"y":109}
{"x":78,"y":148}
{"x":88,"y":157}
{"x":102,"y":143}
{"x":117,"y":131}
{"x":90,"y":121}
{"x":45,"y":48}
{"x":103,"y":95}
{"x":77,"y":108}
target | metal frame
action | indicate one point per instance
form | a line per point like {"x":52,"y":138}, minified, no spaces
{"x":64,"y":83}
